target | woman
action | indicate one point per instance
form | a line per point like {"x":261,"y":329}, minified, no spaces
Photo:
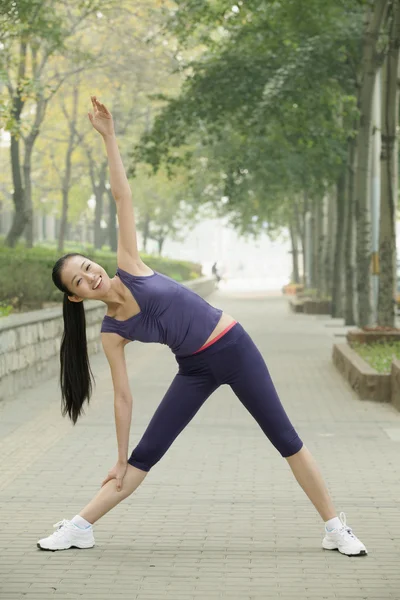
{"x":211,"y":349}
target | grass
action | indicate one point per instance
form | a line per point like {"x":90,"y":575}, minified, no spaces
{"x":5,"y":310}
{"x":379,"y":355}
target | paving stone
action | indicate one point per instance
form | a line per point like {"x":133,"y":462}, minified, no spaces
{"x":221,"y":516}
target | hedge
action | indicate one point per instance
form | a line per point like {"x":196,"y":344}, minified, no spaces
{"x":25,"y":274}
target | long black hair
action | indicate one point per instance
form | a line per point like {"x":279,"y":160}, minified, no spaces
{"x":75,"y":374}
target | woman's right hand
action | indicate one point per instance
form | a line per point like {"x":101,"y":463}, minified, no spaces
{"x":101,"y":119}
{"x":118,"y":473}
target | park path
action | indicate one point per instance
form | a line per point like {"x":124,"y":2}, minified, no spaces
{"x":221,"y":515}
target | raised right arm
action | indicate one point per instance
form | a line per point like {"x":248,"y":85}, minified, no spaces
{"x":114,"y":346}
{"x":127,"y":253}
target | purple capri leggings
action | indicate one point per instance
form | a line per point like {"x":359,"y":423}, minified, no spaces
{"x":233,"y":360}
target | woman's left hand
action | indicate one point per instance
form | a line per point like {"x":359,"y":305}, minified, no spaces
{"x":118,"y":473}
{"x":101,"y":119}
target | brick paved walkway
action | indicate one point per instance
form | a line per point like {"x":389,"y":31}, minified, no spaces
{"x":221,"y":516}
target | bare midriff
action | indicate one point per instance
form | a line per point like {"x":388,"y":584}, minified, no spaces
{"x":225,"y":323}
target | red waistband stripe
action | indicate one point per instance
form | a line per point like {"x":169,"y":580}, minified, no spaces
{"x":218,"y":337}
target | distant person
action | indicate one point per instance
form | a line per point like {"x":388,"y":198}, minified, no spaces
{"x":211,"y":349}
{"x":214,"y":271}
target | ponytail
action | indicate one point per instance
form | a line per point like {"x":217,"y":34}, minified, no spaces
{"x":75,"y":374}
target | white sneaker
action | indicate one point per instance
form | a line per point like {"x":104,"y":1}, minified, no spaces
{"x":67,"y":536}
{"x":344,"y":540}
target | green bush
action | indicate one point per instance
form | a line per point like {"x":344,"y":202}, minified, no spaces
{"x":5,"y":309}
{"x":379,"y":355}
{"x":25,"y":274}
{"x":313,"y":294}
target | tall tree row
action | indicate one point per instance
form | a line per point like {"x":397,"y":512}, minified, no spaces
{"x":280,"y":105}
{"x":281,"y":116}
{"x":54,"y":56}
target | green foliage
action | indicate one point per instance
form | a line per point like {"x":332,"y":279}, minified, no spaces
{"x":5,"y":309}
{"x":161,"y":206}
{"x":26,"y":274}
{"x":50,"y":48}
{"x":269,"y":104}
{"x":379,"y":355}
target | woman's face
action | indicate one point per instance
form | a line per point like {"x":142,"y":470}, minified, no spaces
{"x":85,"y":278}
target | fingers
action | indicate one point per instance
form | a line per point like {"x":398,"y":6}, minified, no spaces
{"x":105,"y":109}
{"x":117,"y":481}
{"x":99,"y":106}
{"x":107,"y":479}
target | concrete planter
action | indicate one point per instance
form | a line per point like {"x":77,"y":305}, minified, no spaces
{"x":292,"y":289}
{"x":371,"y":337}
{"x":317,"y":307}
{"x":368,"y":383}
{"x":310,"y":306}
{"x":395,"y":384}
{"x":297,"y":306}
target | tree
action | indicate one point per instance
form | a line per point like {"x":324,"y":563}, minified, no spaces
{"x":276,"y":90}
{"x":388,"y":192}
{"x":265,"y":92}
{"x":110,"y":42}
{"x":372,"y":56}
{"x":33,"y":78}
{"x":71,"y":119}
{"x":163,"y":207}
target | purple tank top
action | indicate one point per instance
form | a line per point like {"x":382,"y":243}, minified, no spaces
{"x":170,"y":314}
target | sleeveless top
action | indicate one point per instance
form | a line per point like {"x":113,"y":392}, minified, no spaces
{"x":170,"y":314}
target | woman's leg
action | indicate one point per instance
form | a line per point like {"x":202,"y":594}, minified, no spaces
{"x":108,"y":497}
{"x":183,"y":399}
{"x":252,"y":384}
{"x":306,"y":471}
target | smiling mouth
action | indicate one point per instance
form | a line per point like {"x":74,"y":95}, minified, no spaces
{"x":98,"y":284}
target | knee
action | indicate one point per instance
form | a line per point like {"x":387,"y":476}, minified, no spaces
{"x":131,"y":481}
{"x":294,"y":450}
{"x":289,"y":446}
{"x":145,"y":455}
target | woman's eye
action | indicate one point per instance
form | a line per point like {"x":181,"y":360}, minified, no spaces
{"x":79,"y":280}
{"x":87,"y":268}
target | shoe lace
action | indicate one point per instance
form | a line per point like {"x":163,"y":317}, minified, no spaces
{"x":59,"y":526}
{"x":345,"y":527}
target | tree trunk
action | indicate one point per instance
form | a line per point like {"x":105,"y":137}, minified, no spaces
{"x":299,"y":232}
{"x":112,"y":226}
{"x":160,"y":242}
{"x":64,"y":217}
{"x":337,"y":279}
{"x":98,"y":214}
{"x":370,"y":62}
{"x":388,"y":195}
{"x":65,"y":195}
{"x":98,"y":180}
{"x":331,"y":228}
{"x":317,"y":260}
{"x":28,"y":190}
{"x":41,"y":105}
{"x":303,"y":236}
{"x":322,"y":246}
{"x":146,"y":231}
{"x":295,"y":253}
{"x":326,"y":244}
{"x":350,"y":242}
{"x":19,"y":217}
{"x":66,"y":180}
